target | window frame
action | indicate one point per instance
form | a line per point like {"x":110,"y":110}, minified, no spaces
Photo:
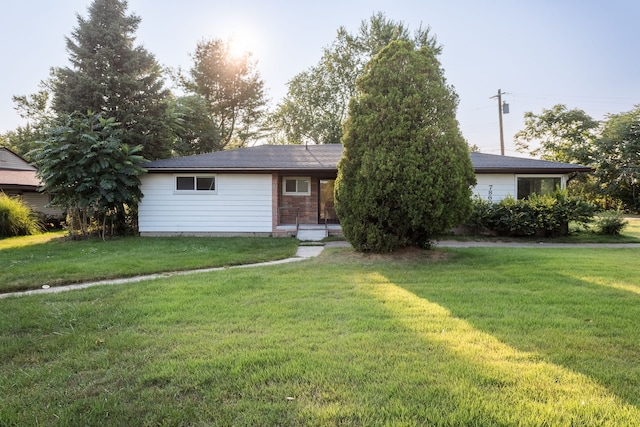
{"x":561,"y":177}
{"x":195,"y":189}
{"x":297,"y":192}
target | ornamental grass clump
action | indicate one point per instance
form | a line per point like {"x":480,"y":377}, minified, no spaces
{"x":16,"y":218}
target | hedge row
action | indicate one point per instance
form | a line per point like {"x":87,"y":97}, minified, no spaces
{"x":547,"y":215}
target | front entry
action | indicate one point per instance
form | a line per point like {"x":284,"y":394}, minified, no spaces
{"x":327,"y":211}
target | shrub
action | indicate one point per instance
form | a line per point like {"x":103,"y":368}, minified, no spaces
{"x":481,"y":212}
{"x":538,"y":215}
{"x":16,"y":218}
{"x":610,"y":222}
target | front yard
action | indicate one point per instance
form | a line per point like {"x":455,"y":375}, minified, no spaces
{"x":482,"y":337}
{"x":48,"y":259}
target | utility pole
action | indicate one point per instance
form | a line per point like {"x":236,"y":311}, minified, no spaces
{"x":502,"y":109}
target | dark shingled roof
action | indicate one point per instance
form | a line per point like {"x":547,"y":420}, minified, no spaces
{"x":16,"y":173}
{"x":326,"y":157}
{"x":492,"y":163}
{"x":258,"y":158}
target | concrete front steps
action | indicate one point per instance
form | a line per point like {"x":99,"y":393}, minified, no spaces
{"x":312,"y":232}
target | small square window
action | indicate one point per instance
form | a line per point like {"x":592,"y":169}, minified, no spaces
{"x":184,"y":183}
{"x":206,"y":183}
{"x":290,"y":186}
{"x":297,"y":186}
{"x":303,"y":186}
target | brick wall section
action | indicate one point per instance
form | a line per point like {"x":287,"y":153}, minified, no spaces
{"x":275,"y":200}
{"x":284,"y":207}
{"x":308,"y":205}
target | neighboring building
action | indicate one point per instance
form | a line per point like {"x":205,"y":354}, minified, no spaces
{"x":18,"y":178}
{"x":273,"y":189}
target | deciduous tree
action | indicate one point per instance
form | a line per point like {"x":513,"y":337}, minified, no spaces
{"x":36,"y":110}
{"x":195,"y":132}
{"x":316,"y":103}
{"x":232,"y":90}
{"x":559,"y":134}
{"x":618,"y":148}
{"x":406,"y":173}
{"x":88,"y":170}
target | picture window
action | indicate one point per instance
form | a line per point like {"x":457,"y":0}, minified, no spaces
{"x":537,"y":185}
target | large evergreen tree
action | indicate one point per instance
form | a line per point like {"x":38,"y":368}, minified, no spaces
{"x":111,"y":76}
{"x":406,"y":173}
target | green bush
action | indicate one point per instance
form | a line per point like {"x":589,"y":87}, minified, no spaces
{"x":610,"y":222}
{"x":481,"y":210}
{"x":16,"y":218}
{"x":539,"y":215}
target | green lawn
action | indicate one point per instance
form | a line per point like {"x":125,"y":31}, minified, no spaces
{"x":630,"y":234}
{"x":49,"y":259}
{"x":633,"y":228}
{"x":464,"y":337}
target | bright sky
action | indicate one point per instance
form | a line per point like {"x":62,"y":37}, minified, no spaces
{"x":582,"y":53}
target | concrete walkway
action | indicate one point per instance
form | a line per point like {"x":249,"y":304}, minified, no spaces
{"x":306,"y":252}
{"x":497,"y":244}
{"x":486,"y":244}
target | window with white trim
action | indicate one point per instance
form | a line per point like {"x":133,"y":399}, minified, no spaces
{"x":540,"y":185}
{"x":195,"y":183}
{"x":296,"y":186}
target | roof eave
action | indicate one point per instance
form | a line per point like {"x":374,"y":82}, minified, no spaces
{"x":24,"y":187}
{"x":218,"y":169}
{"x":533,"y":170}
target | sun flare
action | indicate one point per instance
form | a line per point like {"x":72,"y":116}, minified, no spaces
{"x":242,"y":43}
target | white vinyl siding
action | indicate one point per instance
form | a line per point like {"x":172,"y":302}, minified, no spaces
{"x":241,"y":204}
{"x":39,"y":202}
{"x":495,"y":187}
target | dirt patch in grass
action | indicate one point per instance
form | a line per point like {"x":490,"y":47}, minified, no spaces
{"x":407,"y":254}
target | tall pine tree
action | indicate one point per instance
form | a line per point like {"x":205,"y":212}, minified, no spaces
{"x":405,"y":174}
{"x":111,"y":76}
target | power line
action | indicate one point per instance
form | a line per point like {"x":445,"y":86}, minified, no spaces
{"x":582,"y":98}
